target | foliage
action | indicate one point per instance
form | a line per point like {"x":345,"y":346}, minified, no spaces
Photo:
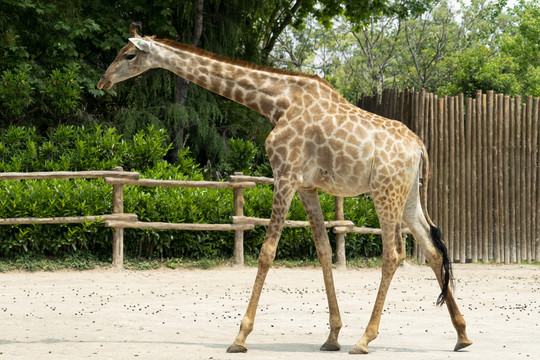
{"x":380,"y":50}
{"x":40,"y":60}
{"x":53,"y":52}
{"x":63,"y":89}
{"x":504,"y":61}
{"x":71,"y":148}
{"x":362,"y":212}
{"x":67,"y":148}
{"x":16,"y":92}
{"x":297,"y":243}
{"x":479,"y":68}
{"x":31,"y":262}
{"x":241,"y":157}
{"x":521,"y":44}
{"x":24,"y":90}
{"x":477,"y":45}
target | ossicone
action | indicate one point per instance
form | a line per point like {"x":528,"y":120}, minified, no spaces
{"x":133,"y":29}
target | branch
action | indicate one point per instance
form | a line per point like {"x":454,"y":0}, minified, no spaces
{"x":412,"y":51}
{"x":277,"y":30}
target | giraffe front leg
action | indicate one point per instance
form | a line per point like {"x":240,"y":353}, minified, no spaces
{"x":246,"y":326}
{"x":312,"y":205}
{"x":283,"y":194}
{"x":393,"y":255}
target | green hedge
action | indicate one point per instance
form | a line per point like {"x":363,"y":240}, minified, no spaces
{"x":95,"y":148}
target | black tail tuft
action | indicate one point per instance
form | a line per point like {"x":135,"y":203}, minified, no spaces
{"x":446,"y":269}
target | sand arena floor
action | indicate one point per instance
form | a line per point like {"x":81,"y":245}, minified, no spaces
{"x":195,"y":314}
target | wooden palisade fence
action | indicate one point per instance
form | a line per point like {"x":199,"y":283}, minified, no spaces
{"x":484,"y":156}
{"x":119,"y":220}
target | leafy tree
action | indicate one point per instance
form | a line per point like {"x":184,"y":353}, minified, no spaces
{"x":276,"y":15}
{"x":42,"y":65}
{"x":477,"y":45}
{"x":430,"y":39}
{"x":521,"y":44}
{"x":481,"y":68}
{"x":506,"y":61}
{"x":372,"y":51}
{"x":295,"y":48}
{"x":355,"y":59}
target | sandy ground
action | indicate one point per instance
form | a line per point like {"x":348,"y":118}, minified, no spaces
{"x":195,"y":314}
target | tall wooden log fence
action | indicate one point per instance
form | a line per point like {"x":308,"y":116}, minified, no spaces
{"x":119,"y":220}
{"x":484,"y":155}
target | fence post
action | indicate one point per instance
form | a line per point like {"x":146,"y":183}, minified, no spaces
{"x":340,"y":238}
{"x":238,"y":234}
{"x":536,"y":124}
{"x":118,"y":233}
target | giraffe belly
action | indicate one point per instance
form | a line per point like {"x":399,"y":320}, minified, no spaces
{"x":344,"y":182}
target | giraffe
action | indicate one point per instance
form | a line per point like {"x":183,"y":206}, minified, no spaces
{"x":319,"y":142}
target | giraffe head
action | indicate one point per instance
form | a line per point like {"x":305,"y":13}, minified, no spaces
{"x":132,"y":60}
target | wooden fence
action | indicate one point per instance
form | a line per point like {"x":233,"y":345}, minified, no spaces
{"x":484,"y":155}
{"x":119,"y":220}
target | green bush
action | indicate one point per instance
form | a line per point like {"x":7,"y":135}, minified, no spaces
{"x":241,"y":157}
{"x":71,"y":148}
{"x":50,"y":198}
{"x":16,"y":92}
{"x":95,"y":148}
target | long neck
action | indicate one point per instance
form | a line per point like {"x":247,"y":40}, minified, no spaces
{"x":263,"y":91}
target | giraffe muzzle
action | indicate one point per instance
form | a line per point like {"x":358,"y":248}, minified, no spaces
{"x":104,"y":84}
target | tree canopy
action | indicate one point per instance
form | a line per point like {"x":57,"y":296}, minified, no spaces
{"x":53,"y":52}
{"x":452,"y":47}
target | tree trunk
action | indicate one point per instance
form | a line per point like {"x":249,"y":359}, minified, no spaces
{"x":276,"y":29}
{"x":181,"y":93}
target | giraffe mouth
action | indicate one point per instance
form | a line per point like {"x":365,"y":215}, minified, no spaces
{"x":104,"y":84}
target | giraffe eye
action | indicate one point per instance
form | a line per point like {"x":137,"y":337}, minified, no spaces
{"x":130,"y":56}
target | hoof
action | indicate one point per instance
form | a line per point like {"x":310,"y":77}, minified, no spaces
{"x":236,"y":349}
{"x":357,"y":350}
{"x":330,"y":347}
{"x":462,"y":344}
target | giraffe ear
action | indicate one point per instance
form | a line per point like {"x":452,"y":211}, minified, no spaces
{"x":141,"y":44}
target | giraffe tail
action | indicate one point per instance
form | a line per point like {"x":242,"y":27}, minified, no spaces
{"x":435,"y":233}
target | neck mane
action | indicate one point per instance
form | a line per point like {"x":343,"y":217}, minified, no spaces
{"x":224,"y":59}
{"x":267,"y":90}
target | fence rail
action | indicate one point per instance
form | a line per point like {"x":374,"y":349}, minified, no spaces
{"x":67,"y":219}
{"x":484,"y":155}
{"x":119,"y":220}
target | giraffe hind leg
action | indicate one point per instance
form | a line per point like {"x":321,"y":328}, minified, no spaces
{"x":430,"y":240}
